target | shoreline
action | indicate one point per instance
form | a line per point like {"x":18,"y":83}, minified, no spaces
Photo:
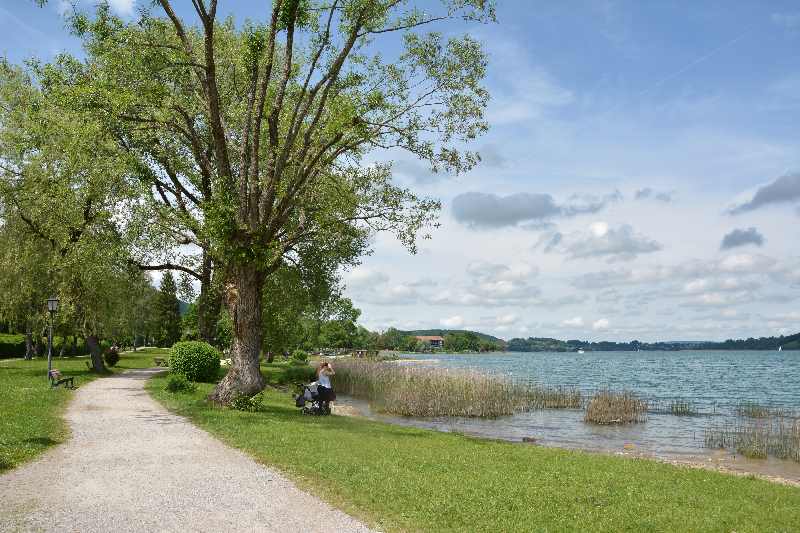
{"x":722,"y":461}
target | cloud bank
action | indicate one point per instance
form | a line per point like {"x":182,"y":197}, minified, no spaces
{"x":479,"y":210}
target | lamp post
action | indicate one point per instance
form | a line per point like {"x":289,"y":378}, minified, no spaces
{"x":52,"y":307}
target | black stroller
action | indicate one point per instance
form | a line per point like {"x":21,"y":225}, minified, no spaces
{"x":310,"y":402}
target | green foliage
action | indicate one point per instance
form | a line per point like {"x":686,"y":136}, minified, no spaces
{"x":297,"y":374}
{"x":251,"y":404}
{"x":111,"y":357}
{"x":179,"y":383}
{"x":224,"y":334}
{"x":196,"y":360}
{"x":299,"y":357}
{"x":168,"y":312}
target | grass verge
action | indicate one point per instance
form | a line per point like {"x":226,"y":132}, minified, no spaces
{"x":407,"y":479}
{"x":30,"y":411}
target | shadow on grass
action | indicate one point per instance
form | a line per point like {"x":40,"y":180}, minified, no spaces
{"x":41,"y":441}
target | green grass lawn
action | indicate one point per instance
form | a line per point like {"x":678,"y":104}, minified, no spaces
{"x":398,"y":478}
{"x":30,"y":412}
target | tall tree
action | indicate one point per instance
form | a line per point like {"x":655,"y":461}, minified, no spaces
{"x":64,"y":178}
{"x":168,"y":311}
{"x":251,"y":142}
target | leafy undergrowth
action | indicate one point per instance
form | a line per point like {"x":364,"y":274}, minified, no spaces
{"x":31,"y":413}
{"x":399,"y":478}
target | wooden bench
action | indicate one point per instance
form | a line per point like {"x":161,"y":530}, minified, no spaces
{"x":56,"y":379}
{"x":161,"y":361}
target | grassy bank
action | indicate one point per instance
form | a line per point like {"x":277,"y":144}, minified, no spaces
{"x":400,"y":478}
{"x":31,"y":413}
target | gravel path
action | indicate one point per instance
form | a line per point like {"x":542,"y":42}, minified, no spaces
{"x":133,"y":466}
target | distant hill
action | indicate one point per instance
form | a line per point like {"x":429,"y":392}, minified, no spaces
{"x":443,"y":332}
{"x":539,"y":344}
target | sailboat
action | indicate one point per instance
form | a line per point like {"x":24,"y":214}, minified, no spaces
{"x":780,"y":348}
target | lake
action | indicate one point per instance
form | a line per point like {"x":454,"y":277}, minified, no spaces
{"x":715,"y":382}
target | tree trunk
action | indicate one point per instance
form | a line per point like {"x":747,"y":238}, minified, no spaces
{"x":29,"y":349}
{"x":97,"y":355}
{"x":208,"y":303}
{"x":74,"y":350}
{"x":270,"y":357}
{"x":243,"y":300}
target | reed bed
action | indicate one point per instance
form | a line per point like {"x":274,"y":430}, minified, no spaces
{"x":429,"y":392}
{"x":776,"y":436}
{"x":609,"y":407}
{"x":676,"y":407}
{"x":749,"y":409}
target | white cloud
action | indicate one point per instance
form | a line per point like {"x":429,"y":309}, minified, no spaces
{"x":615,"y":244}
{"x":601,"y":324}
{"x":452,"y":322}
{"x":576,"y":322}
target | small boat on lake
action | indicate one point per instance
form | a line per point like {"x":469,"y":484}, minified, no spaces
{"x":580,"y":350}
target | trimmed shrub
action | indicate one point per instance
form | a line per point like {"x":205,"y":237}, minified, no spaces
{"x":179,"y":383}
{"x":197,"y":361}
{"x":249,"y":404}
{"x":299,"y":357}
{"x":112,"y":357}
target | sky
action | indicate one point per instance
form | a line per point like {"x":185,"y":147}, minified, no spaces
{"x":640,"y":179}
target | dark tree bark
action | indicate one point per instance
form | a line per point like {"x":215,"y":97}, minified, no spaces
{"x":243,"y":300}
{"x":98,"y":365}
{"x":270,"y":357}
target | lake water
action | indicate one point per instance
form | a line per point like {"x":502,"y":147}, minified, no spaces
{"x":715,"y":382}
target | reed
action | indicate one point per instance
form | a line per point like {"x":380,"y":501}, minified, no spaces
{"x":549,"y":397}
{"x":776,"y":436}
{"x":753,"y":410}
{"x":610,"y":407}
{"x":682,"y":408}
{"x":427,"y":392}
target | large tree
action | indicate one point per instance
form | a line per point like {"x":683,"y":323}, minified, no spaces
{"x":252,"y":141}
{"x":64,"y":180}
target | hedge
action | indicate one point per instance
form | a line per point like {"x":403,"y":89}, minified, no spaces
{"x":13,"y":345}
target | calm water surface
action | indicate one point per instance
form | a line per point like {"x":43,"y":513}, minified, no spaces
{"x":715,"y":382}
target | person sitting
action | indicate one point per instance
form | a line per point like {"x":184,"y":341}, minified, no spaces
{"x":325,"y":390}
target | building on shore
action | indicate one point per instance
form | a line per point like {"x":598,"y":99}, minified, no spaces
{"x":434,"y":341}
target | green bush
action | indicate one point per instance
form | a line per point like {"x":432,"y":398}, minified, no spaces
{"x":179,"y":383}
{"x":197,"y":361}
{"x":297,"y":374}
{"x":252,"y":404}
{"x":299,"y":357}
{"x":112,"y":357}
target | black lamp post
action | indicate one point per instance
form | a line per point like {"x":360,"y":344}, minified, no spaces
{"x":52,"y":307}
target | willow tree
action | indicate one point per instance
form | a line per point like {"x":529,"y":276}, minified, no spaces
{"x":255,"y":140}
{"x":63,"y":179}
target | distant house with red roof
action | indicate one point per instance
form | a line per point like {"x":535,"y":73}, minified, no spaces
{"x":434,"y":341}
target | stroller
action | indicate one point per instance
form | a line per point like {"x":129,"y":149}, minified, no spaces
{"x":310,"y":402}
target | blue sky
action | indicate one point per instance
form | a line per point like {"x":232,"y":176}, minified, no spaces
{"x":623,"y":137}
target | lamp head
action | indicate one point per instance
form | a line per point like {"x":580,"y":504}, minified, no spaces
{"x":52,"y":304}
